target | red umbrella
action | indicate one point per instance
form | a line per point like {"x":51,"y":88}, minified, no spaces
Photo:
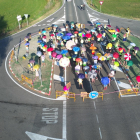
{"x":118,"y":30}
{"x":45,"y":46}
{"x":88,"y":35}
{"x":115,"y":55}
{"x":78,"y":59}
{"x":127,"y":56}
{"x":44,"y":37}
{"x":50,"y":49}
{"x":99,"y":35}
{"x":76,"y":32}
{"x":109,"y":25}
{"x":54,"y":54}
{"x":52,"y":34}
{"x":138,"y":78}
{"x":121,"y":50}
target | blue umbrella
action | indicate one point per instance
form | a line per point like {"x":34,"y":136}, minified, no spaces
{"x":76,"y":49}
{"x":94,"y":66}
{"x":43,"y":32}
{"x":66,"y":37}
{"x":59,"y":34}
{"x":39,"y":41}
{"x":81,"y":76}
{"x":85,"y":59}
{"x":74,"y":56}
{"x":105,"y":80}
{"x":68,"y":34}
{"x":102,"y":32}
{"x":55,"y":26}
{"x":58,"y":52}
{"x":97,"y":23}
{"x":86,"y":67}
{"x":42,"y":44}
{"x":64,"y":52}
{"x":27,"y":44}
{"x":95,"y":57}
{"x":92,"y":30}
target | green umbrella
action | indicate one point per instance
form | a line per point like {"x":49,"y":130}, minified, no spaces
{"x":130,"y":63}
{"x":80,"y":34}
{"x":72,"y":22}
{"x":114,"y":35}
{"x":116,"y":63}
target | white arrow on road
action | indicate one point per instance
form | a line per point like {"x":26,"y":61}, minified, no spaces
{"x":34,"y":136}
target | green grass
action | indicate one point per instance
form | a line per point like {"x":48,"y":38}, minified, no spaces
{"x":122,"y":8}
{"x":9,"y":9}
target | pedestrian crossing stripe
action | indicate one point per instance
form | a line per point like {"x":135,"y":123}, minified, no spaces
{"x":59,"y":78}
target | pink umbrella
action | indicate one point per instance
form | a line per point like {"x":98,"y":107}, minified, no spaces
{"x":65,"y":88}
{"x":70,"y":44}
{"x":44,"y":37}
{"x":99,"y":35}
{"x":64,"y":62}
{"x":45,"y":46}
{"x":109,"y":25}
{"x":88,"y":35}
{"x":127,"y":56}
{"x":54,"y":54}
{"x":59,"y":56}
{"x":52,"y":34}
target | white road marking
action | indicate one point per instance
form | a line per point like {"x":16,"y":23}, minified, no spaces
{"x":137,"y":133}
{"x":64,"y":131}
{"x":34,"y":136}
{"x":75,"y":11}
{"x":124,"y":85}
{"x":43,"y":24}
{"x":61,"y":20}
{"x":97,"y":118}
{"x":96,"y":14}
{"x":100,"y":133}
{"x":117,"y":69}
{"x":59,"y":78}
{"x":94,"y":105}
{"x":63,"y":97}
{"x":50,"y":20}
{"x":39,"y":25}
{"x":34,"y":25}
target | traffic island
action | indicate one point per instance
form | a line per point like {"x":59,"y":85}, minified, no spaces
{"x":25,"y":65}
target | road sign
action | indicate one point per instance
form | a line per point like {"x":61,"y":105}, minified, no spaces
{"x":101,"y":2}
{"x":19,"y":17}
{"x":26,"y":16}
{"x":93,"y":94}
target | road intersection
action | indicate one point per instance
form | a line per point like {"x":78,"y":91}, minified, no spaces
{"x":22,"y":112}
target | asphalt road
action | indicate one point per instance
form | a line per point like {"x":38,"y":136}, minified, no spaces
{"x":112,"y":118}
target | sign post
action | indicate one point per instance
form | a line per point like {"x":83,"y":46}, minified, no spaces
{"x":101,"y":2}
{"x":19,"y":19}
{"x":26,"y":16}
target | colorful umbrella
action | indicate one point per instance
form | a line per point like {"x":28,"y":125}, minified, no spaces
{"x":94,"y":66}
{"x":130,"y":63}
{"x":64,"y":52}
{"x":66,"y":37}
{"x":44,"y":36}
{"x":121,"y":50}
{"x":72,"y":22}
{"x":114,"y":35}
{"x":45,"y":46}
{"x":32,"y":61}
{"x":69,"y":44}
{"x":27,"y":43}
{"x":39,"y":41}
{"x":81,"y":76}
{"x":58,"y":52}
{"x":76,"y":49}
{"x":92,"y":30}
{"x":52,"y":34}
{"x":78,"y":59}
{"x":115,"y":55}
{"x":77,"y":67}
{"x":138,"y":78}
{"x":49,"y":49}
{"x":99,"y":35}
{"x":83,"y":49}
{"x":95,"y":57}
{"x":93,"y":48}
{"x":109,"y":25}
{"x":92,"y":74}
{"x":99,"y":55}
{"x":102,"y":58}
{"x":64,"y":62}
{"x":39,"y":53}
{"x":68,"y":34}
{"x":59,"y":56}
{"x":116,"y":64}
{"x":84,"y":59}
{"x":88,"y":35}
{"x":44,"y":31}
{"x":76,"y":32}
{"x":105,"y":80}
{"x":54,"y":54}
{"x":65,"y":88}
{"x":55,"y":26}
{"x":136,"y":48}
{"x":109,"y":46}
{"x":59,"y":34}
{"x":112,"y":31}
{"x":127,"y":56}
{"x":133,"y":44}
{"x":117,"y":30}
{"x":36,"y":67}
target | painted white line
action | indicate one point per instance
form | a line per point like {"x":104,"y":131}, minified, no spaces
{"x":75,"y":11}
{"x":137,"y":133}
{"x":59,"y":78}
{"x":97,"y":118}
{"x":39,"y":21}
{"x":94,"y":105}
{"x":124,"y":85}
{"x":64,"y":131}
{"x":117,"y":69}
{"x":63,"y":97}
{"x":50,"y":20}
{"x":43,"y":24}
{"x":96,"y":14}
{"x":34,"y":136}
{"x":100,"y":133}
{"x":39,"y":25}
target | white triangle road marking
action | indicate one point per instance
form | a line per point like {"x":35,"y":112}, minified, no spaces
{"x":63,"y":97}
{"x":117,"y":69}
{"x":123,"y":85}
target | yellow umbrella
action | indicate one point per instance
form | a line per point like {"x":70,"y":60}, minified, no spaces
{"x":93,"y":48}
{"x":109,"y":46}
{"x":102,"y":58}
{"x":36,"y":67}
{"x":99,"y":55}
{"x":111,"y":30}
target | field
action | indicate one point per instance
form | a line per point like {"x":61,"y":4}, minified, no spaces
{"x":122,"y":8}
{"x":9,"y":9}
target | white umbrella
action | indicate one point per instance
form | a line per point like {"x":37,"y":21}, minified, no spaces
{"x":39,"y":53}
{"x":92,"y":74}
{"x":69,"y":44}
{"x":133,"y":44}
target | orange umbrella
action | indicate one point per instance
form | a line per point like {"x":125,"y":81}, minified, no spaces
{"x":93,"y":48}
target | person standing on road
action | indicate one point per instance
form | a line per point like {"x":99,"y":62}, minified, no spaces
{"x":81,"y":6}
